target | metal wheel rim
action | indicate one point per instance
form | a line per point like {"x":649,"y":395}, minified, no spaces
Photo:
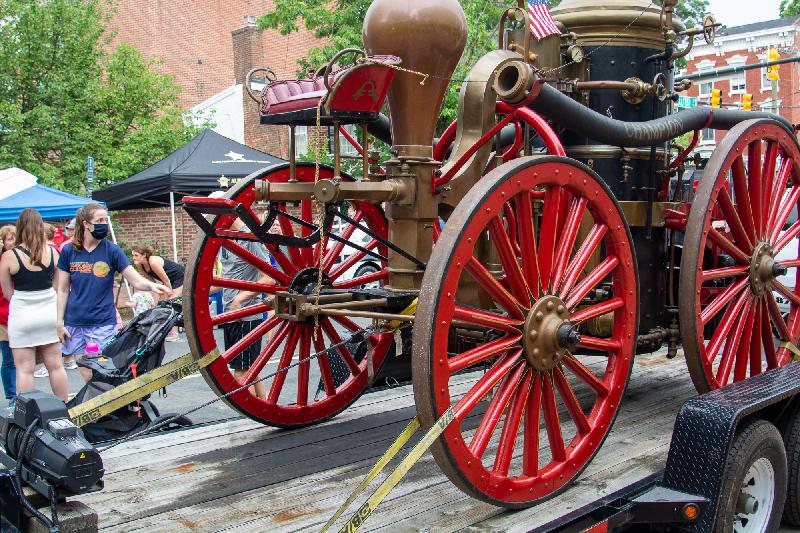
{"x":436,"y":310}
{"x":199,"y":325}
{"x":710,"y":214}
{"x":758,"y":483}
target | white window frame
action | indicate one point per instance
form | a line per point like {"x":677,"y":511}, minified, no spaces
{"x":738,"y":89}
{"x":345,"y":147}
{"x":702,"y":94}
{"x":301,"y":141}
{"x":708,"y":136}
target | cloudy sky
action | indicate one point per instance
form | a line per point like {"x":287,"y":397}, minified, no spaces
{"x":738,"y":12}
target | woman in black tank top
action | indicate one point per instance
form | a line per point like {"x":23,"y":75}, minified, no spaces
{"x":27,"y":277}
{"x":158,"y":268}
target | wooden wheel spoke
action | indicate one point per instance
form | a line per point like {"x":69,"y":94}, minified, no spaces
{"x":266,"y":354}
{"x":527,"y":239}
{"x":724,"y":327}
{"x":726,"y":272}
{"x":343,"y":351}
{"x":784,"y":290}
{"x":787,"y":237}
{"x":743,"y":351}
{"x":743,"y":197}
{"x":331,"y":255}
{"x":551,"y":420}
{"x":594,"y":277}
{"x":242,"y":285}
{"x":491,"y":378}
{"x":493,"y":287}
{"x":508,"y":437}
{"x":767,"y":339}
{"x":778,"y":191}
{"x":783,"y":213}
{"x":476,"y":317}
{"x":304,"y":368}
{"x":596,"y":343}
{"x":482,"y":353}
{"x":776,"y":318}
{"x":586,"y":375}
{"x":732,"y":343}
{"x":324,"y":365}
{"x":565,"y":246}
{"x":285,"y":360}
{"x":493,"y":413}
{"x":288,"y":230}
{"x":530,"y":431}
{"x":380,"y":275}
{"x":755,"y":185}
{"x":582,"y":256}
{"x":548,"y":233}
{"x":727,"y":246}
{"x":352,"y":260}
{"x":740,"y":236}
{"x":257,"y":262}
{"x":511,"y":230}
{"x":768,"y":178}
{"x":238,"y":314}
{"x":722,"y":299}
{"x":508,"y":259}
{"x":755,"y":340}
{"x":596,"y":310}
{"x":571,"y":402}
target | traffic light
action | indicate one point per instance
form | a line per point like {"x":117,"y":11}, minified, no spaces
{"x":716,"y":98}
{"x":747,"y":102}
{"x":772,"y":71}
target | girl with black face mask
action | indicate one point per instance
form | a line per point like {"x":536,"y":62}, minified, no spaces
{"x":86,"y":311}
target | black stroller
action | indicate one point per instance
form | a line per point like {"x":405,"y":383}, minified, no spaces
{"x":138,"y":348}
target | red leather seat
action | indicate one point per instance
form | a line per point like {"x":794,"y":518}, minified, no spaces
{"x":357,"y":94}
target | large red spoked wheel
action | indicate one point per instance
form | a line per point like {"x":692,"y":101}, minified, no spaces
{"x":733,"y":257}
{"x":320,"y":388}
{"x":547,"y":392}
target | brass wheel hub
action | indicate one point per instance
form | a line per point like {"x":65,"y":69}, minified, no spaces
{"x":763,"y":268}
{"x":549,"y":335}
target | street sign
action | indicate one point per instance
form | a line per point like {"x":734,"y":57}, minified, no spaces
{"x":89,"y":173}
{"x":687,"y":101}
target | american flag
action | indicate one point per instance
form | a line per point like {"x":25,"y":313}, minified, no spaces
{"x":542,"y":24}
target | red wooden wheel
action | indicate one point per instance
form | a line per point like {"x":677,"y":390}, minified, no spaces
{"x":513,"y":297}
{"x":309,"y":392}
{"x":734,"y":251}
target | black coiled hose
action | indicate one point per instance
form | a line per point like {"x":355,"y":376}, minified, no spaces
{"x":570,"y":114}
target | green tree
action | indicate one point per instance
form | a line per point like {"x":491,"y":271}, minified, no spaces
{"x":65,"y":94}
{"x":789,"y":8}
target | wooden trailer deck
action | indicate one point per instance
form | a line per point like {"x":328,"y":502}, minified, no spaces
{"x":239,"y":475}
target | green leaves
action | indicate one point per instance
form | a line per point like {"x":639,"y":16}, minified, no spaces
{"x":789,"y":8}
{"x":64,"y":95}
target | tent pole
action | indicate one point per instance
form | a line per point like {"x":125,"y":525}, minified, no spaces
{"x":114,"y":238}
{"x":174,"y":232}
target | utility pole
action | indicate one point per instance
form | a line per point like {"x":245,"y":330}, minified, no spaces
{"x":772,"y":75}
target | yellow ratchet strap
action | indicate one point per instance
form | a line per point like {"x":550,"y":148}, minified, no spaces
{"x":792,"y":348}
{"x":158,"y":378}
{"x":360,"y":516}
{"x":408,"y":311}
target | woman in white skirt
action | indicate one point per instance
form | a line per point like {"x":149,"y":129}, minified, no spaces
{"x":27,"y":274}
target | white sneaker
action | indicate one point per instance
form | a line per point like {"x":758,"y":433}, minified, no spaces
{"x":41,"y":372}
{"x":70,"y":365}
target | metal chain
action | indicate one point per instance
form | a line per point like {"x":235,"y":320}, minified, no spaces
{"x":367,"y":332}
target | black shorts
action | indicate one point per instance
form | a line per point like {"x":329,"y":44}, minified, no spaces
{"x":234,"y":332}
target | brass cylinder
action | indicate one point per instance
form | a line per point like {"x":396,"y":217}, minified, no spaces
{"x":429,"y":37}
{"x":614,"y":22}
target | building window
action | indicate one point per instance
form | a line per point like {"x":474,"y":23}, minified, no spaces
{"x":346,"y":147}
{"x":301,"y":140}
{"x":705,"y":89}
{"x":766,"y":83}
{"x":738,"y":84}
{"x":708,"y":135}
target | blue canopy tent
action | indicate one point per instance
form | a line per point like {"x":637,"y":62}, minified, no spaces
{"x":51,"y":203}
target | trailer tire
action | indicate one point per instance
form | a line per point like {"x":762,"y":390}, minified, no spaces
{"x":756,"y":457}
{"x":791,"y":440}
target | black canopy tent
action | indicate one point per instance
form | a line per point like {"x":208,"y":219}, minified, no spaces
{"x":207,"y":163}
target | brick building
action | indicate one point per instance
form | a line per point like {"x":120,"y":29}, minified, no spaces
{"x":208,"y":46}
{"x":746,"y":45}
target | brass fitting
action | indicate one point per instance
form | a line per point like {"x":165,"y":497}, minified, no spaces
{"x":515,"y":83}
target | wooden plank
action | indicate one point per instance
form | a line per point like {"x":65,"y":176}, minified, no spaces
{"x":299,"y":501}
